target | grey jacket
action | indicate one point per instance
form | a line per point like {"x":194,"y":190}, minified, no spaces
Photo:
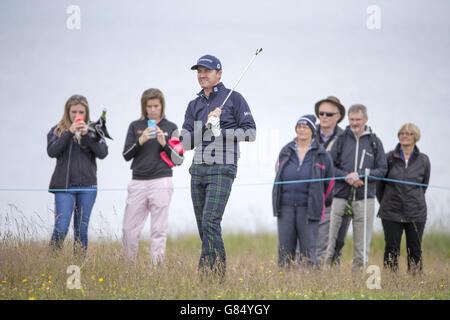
{"x":357,"y":155}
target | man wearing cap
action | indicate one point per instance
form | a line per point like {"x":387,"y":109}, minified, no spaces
{"x":299,"y":206}
{"x":330,"y":112}
{"x":216,"y":155}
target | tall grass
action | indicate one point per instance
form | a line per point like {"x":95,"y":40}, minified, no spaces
{"x":29,"y":270}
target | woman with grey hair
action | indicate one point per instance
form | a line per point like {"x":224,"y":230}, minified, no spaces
{"x":403,"y":205}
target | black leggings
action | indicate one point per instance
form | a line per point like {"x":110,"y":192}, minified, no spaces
{"x":393,"y":235}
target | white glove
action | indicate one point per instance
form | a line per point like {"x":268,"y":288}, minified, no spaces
{"x":214,"y":124}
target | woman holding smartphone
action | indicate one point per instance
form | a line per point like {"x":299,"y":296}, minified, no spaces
{"x":152,"y":143}
{"x":74,"y":180}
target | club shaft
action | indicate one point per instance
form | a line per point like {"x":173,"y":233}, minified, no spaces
{"x":242,"y":74}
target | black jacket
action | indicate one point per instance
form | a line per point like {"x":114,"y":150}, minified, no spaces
{"x":404,"y":202}
{"x":319,"y":192}
{"x":147,"y":162}
{"x":75,"y":163}
{"x":357,"y":155}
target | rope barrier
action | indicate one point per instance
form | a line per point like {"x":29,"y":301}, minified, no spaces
{"x":236,"y":185}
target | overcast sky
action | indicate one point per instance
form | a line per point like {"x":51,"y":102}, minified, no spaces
{"x":312,"y":49}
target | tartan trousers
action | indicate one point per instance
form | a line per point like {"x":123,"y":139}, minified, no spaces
{"x":210,"y":190}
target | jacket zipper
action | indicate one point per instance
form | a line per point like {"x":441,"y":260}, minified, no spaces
{"x":362,"y":159}
{"x":356,"y":163}
{"x":68,"y":165}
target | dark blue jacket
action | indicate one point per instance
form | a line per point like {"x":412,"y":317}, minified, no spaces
{"x":236,"y":123}
{"x":319,"y":192}
{"x":296,"y":194}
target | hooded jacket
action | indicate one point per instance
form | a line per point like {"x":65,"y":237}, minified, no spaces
{"x":357,"y":155}
{"x":319,"y":191}
{"x":402,"y":202}
{"x":75,"y":162}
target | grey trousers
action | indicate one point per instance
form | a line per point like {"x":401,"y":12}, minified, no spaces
{"x":337,"y":212}
{"x":293,"y":225}
{"x":323,"y":235}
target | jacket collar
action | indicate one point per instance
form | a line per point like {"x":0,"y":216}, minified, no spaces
{"x":367,"y":131}
{"x":292,"y":146}
{"x":398,"y":152}
{"x":335,"y":132}
{"x":160,"y":120}
{"x":217,"y":88}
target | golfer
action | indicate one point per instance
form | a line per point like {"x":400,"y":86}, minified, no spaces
{"x":215,"y":160}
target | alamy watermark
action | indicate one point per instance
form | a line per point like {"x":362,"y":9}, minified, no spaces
{"x":73,"y":281}
{"x":73,"y":22}
{"x":374,"y":20}
{"x":374,"y":280}
{"x":242,"y":144}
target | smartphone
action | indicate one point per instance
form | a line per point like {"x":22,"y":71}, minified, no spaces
{"x":152,"y":124}
{"x":79,"y":118}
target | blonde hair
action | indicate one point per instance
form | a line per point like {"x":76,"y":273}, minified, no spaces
{"x":152,"y":93}
{"x":411,"y":128}
{"x":65,"y":123}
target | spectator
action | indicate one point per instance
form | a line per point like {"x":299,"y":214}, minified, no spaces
{"x":330,"y":112}
{"x":154,"y":150}
{"x":299,"y":206}
{"x":74,"y":180}
{"x":403,"y":206}
{"x":355,"y":150}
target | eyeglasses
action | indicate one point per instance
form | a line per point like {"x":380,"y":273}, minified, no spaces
{"x":405,"y":134}
{"x":328,"y":114}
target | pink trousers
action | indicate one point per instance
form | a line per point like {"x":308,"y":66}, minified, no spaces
{"x":144,"y":197}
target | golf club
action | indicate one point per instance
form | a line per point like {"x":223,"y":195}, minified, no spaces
{"x":214,"y":121}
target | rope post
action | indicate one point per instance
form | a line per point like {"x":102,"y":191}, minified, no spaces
{"x":366,"y":182}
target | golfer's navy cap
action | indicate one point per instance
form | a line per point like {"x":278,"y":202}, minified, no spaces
{"x":209,"y":62}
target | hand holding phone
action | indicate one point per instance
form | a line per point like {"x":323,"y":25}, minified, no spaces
{"x":152,"y":124}
{"x":78,"y":118}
